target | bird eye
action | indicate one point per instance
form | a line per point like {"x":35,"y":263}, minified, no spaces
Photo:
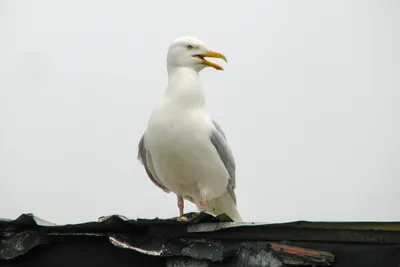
{"x":189,"y":47}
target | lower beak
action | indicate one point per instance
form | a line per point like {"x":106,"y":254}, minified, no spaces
{"x":214,"y":55}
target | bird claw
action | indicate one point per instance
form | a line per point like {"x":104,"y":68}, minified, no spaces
{"x":183,"y":218}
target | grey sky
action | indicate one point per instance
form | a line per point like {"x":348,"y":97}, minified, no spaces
{"x":309,"y":101}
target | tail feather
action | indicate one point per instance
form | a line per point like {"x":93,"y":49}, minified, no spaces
{"x":224,"y":204}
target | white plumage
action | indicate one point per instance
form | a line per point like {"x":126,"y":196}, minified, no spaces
{"x":183,"y":150}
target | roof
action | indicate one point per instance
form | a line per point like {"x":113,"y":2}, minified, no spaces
{"x":201,"y":240}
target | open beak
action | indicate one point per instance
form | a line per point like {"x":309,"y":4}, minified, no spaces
{"x":211,"y":54}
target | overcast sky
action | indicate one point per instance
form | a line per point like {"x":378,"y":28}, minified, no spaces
{"x":309,"y":101}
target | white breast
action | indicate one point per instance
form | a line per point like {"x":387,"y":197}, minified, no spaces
{"x":183,"y":156}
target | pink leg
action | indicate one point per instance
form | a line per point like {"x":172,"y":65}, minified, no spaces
{"x":203,"y":203}
{"x":180,"y":205}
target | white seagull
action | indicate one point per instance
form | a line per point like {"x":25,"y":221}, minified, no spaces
{"x":183,"y":149}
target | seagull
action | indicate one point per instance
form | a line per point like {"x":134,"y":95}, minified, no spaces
{"x":183,"y":150}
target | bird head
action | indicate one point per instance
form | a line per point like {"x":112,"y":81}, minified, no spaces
{"x":190,"y":52}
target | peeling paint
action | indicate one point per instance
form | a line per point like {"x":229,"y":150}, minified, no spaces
{"x":120,"y":244}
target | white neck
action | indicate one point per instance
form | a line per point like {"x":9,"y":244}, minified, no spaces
{"x":185,"y":88}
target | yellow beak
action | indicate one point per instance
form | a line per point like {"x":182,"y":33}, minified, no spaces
{"x":214,"y":55}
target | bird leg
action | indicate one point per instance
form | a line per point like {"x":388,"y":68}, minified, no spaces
{"x":203,"y":203}
{"x":180,"y":205}
{"x":204,"y":195}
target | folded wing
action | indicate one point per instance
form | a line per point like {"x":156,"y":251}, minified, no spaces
{"x":220,"y":143}
{"x":145,"y":157}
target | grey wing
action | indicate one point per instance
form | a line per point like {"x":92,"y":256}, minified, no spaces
{"x":145,"y":157}
{"x":218,"y":127}
{"x":220,"y":143}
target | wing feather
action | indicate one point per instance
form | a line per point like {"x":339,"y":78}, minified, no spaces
{"x":220,"y":143}
{"x":145,"y":157}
